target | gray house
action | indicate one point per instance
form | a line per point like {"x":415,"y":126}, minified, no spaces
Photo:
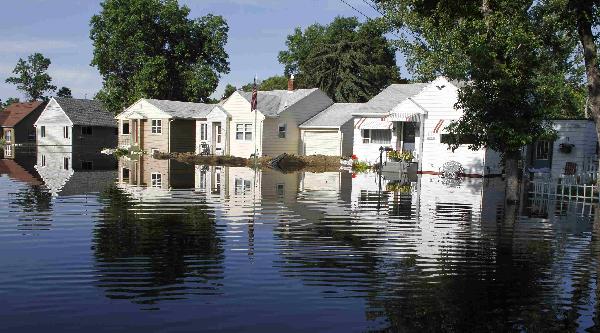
{"x":77,"y":123}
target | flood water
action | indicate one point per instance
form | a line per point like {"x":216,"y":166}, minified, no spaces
{"x":163,"y":246}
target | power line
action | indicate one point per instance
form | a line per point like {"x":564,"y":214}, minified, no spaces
{"x":358,"y":11}
{"x":368,"y":17}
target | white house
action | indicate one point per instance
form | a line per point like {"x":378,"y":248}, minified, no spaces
{"x":274,"y":129}
{"x":330,"y":132}
{"x":575,"y":145}
{"x":414,"y":117}
{"x":172,"y":126}
{"x":76,"y":123}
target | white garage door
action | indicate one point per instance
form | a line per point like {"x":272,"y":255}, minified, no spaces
{"x":322,"y":143}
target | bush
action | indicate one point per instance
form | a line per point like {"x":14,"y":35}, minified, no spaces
{"x":360,"y":166}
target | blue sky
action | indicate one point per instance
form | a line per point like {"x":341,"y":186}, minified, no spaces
{"x":60,"y":30}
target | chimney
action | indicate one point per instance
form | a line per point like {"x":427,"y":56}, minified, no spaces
{"x":291,"y":83}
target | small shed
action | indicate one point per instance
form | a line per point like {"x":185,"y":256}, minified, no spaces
{"x":330,"y":132}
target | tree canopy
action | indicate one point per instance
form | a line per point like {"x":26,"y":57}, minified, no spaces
{"x":271,"y":83}
{"x":350,"y":61}
{"x":64,"y":92}
{"x":151,"y":48}
{"x":31,"y":77}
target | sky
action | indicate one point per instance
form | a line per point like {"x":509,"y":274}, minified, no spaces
{"x":59,"y":29}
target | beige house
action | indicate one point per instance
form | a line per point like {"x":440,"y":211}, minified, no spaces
{"x":276,"y":123}
{"x":164,"y":126}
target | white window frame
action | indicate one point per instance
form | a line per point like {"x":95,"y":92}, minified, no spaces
{"x":66,"y":163}
{"x":123,"y":123}
{"x":219,"y":132}
{"x":8,"y":150}
{"x":242,"y":186}
{"x":369,"y":138}
{"x":282,"y":134}
{"x":123,"y":175}
{"x":8,"y":135}
{"x":245,"y":130}
{"x":156,"y":179}
{"x":43,"y":160}
{"x":66,"y":132}
{"x":547,"y":149}
{"x":156,"y":126}
{"x":43,"y":131}
{"x":203,"y":132}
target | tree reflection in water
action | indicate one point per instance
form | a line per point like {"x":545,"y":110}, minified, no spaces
{"x":153,"y":252}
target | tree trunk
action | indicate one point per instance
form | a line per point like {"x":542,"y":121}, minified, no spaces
{"x":511,"y":172}
{"x":584,"y":11}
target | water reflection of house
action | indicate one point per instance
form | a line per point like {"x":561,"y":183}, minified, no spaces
{"x":65,"y":172}
{"x":149,"y":172}
{"x":14,"y":170}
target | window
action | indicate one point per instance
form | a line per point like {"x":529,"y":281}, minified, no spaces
{"x":43,"y":131}
{"x":156,"y":179}
{"x":217,"y":183}
{"x":243,"y":132}
{"x":125,"y":127}
{"x":202,"y":184}
{"x":281,"y":131}
{"x":542,"y":150}
{"x":242,"y":186}
{"x":8,"y":150}
{"x":377,"y":136}
{"x":8,"y":136}
{"x":280,"y":190}
{"x":156,"y":126}
{"x":86,"y":130}
{"x":87,"y":165}
{"x":203,"y":131}
{"x":153,"y":151}
{"x":125,"y":174}
{"x":31,"y":135}
{"x":66,"y":163}
{"x":43,"y":160}
{"x":66,"y":132}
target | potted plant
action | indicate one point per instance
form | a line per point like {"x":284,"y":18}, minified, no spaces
{"x":566,"y":148}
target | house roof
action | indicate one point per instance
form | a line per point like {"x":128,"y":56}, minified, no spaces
{"x":334,"y":116}
{"x":16,"y":112}
{"x":184,"y":110}
{"x":86,"y":112}
{"x":272,"y":103}
{"x":391,"y":96}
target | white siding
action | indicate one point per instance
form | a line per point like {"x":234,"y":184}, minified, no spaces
{"x":239,"y":110}
{"x":322,"y":142}
{"x":580,"y":133}
{"x":368,"y":152}
{"x":439,"y":104}
{"x":54,"y":120}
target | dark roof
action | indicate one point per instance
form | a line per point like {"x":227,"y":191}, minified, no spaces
{"x":86,"y":112}
{"x":16,"y":112}
{"x":334,"y":116}
{"x":391,"y":96}
{"x":272,"y":103}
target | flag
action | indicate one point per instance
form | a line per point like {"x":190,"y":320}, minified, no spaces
{"x":254,"y":100}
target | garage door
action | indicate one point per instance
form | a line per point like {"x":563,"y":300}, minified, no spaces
{"x":322,"y":143}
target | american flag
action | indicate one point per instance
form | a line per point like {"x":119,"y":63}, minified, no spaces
{"x":254,"y":101}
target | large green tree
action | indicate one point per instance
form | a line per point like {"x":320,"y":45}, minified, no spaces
{"x":151,"y":48}
{"x":64,"y":92}
{"x":519,"y":73}
{"x":31,"y":77}
{"x":348,"y":60}
{"x":275,"y":82}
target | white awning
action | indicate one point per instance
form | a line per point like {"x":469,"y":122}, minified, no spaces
{"x":405,"y":116}
{"x":374,"y":123}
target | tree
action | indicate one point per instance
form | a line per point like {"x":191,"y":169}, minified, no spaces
{"x":150,"y":48}
{"x":64,"y":92}
{"x":519,"y":73}
{"x":229,"y":90}
{"x":271,"y":83}
{"x":8,"y":102}
{"x":348,"y":60}
{"x":32,"y":78}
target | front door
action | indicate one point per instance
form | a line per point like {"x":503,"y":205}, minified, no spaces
{"x":217,"y":139}
{"x":408,"y":136}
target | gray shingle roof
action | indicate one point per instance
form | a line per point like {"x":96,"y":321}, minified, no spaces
{"x":183,"y":110}
{"x":271,"y":103}
{"x":335,"y":116}
{"x":391,"y":96}
{"x":86,"y":112}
